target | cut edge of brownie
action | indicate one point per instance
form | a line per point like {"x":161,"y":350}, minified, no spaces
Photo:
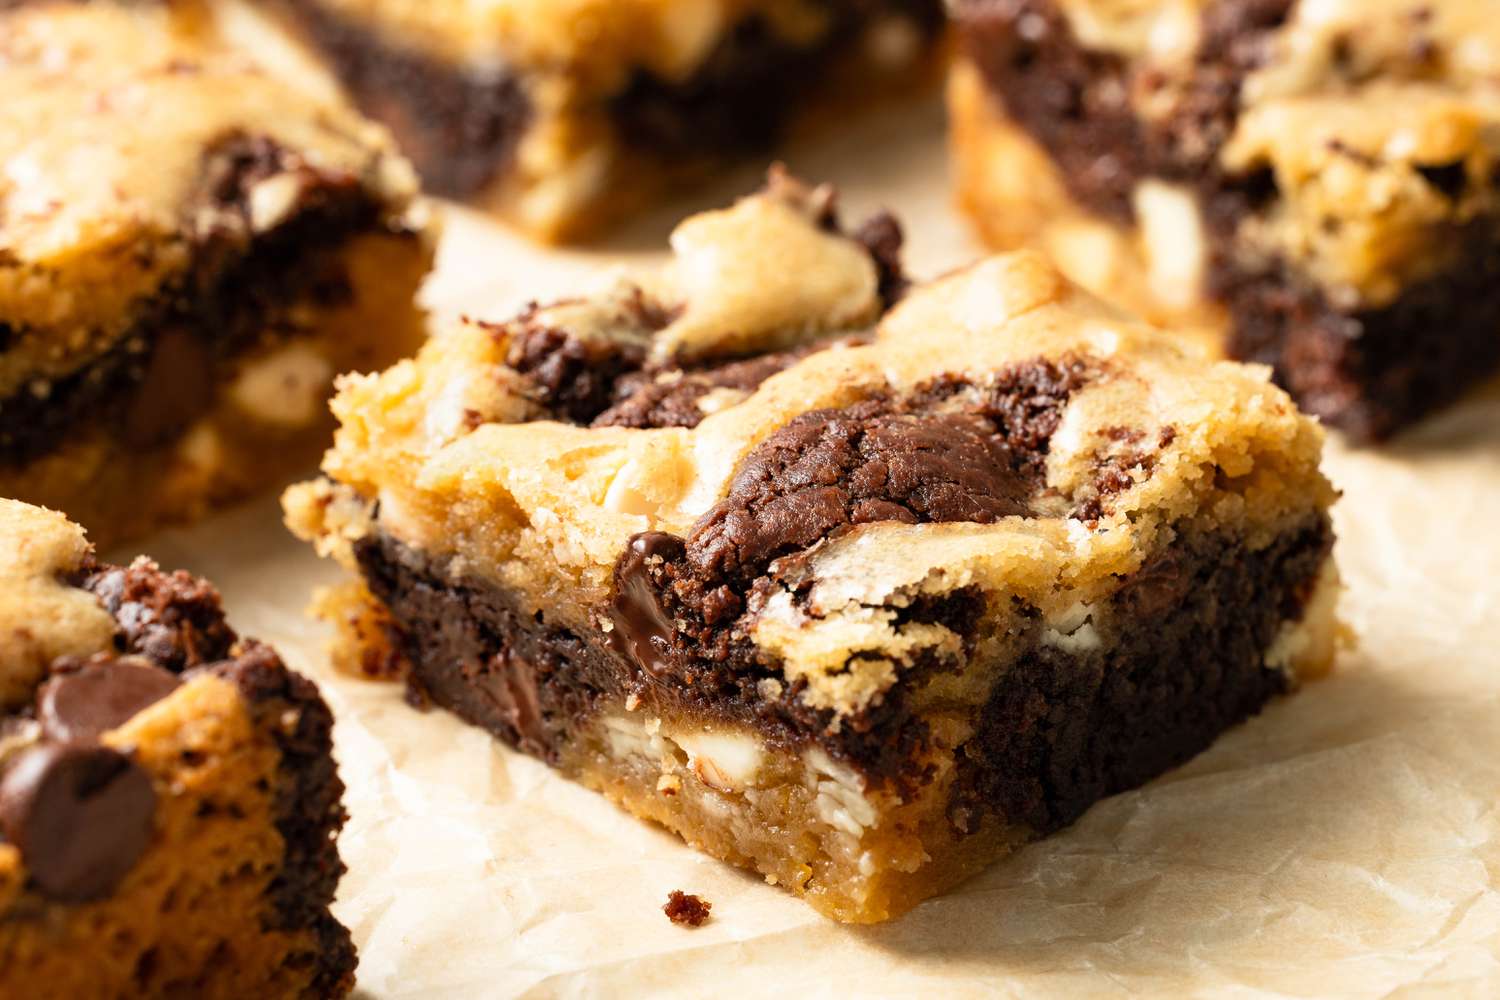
{"x":470,"y":648}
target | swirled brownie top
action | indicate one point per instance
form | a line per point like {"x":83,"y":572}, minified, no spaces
{"x":131,"y":147}
{"x":1365,"y":129}
{"x":753,"y":437}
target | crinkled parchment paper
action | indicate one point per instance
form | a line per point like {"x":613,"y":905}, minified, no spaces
{"x":1344,"y":843}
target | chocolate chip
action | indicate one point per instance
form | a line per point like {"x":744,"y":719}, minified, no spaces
{"x":640,"y":624}
{"x":511,"y":684}
{"x":79,"y":706}
{"x":176,"y":387}
{"x":80,"y":815}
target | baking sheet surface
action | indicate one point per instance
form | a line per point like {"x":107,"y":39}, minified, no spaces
{"x":1344,"y":843}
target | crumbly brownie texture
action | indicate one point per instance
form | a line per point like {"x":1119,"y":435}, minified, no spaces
{"x":564,"y":116}
{"x":168,"y":798}
{"x":1321,"y":179}
{"x":189,"y":251}
{"x":907,"y":601}
{"x":686,"y":910}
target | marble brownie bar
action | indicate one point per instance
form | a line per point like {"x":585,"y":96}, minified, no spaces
{"x":565,"y":116}
{"x":168,"y":798}
{"x":1319,"y":179}
{"x":859,"y":597}
{"x":189,"y":251}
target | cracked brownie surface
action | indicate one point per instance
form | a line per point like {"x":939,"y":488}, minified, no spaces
{"x":565,"y":116}
{"x":189,"y":250}
{"x":168,"y":796}
{"x":936,"y":575}
{"x":1317,"y":178}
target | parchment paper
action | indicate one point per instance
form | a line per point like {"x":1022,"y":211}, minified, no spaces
{"x":1344,"y":843}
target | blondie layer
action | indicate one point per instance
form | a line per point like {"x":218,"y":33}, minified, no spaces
{"x":1321,"y":179}
{"x":189,"y":251}
{"x":564,"y":116}
{"x":859,"y":596}
{"x":168,"y":800}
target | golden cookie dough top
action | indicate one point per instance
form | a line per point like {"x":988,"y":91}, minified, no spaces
{"x":42,"y":615}
{"x":465,"y":464}
{"x":1378,"y":119}
{"x":596,"y":43}
{"x":104,"y":128}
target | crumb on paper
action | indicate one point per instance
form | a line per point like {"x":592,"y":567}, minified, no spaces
{"x":686,"y":910}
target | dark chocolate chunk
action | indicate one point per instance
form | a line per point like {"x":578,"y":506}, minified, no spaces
{"x":640,"y":624}
{"x":79,"y":705}
{"x":459,"y":127}
{"x":831,"y":468}
{"x":80,"y":814}
{"x":511,"y":683}
{"x":176,"y":385}
{"x":686,"y":910}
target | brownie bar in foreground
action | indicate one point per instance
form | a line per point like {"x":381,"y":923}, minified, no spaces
{"x":923,"y":585}
{"x":565,"y":116}
{"x":190,"y":250}
{"x":1319,"y":179}
{"x":168,"y":798}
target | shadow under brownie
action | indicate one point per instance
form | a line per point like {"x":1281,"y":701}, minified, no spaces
{"x":190,"y":250}
{"x":854,"y":584}
{"x":1320,"y":180}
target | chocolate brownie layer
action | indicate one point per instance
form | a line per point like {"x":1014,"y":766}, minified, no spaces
{"x":1185,"y":661}
{"x":235,"y":298}
{"x":1373,"y":371}
{"x":740,"y":99}
{"x":1367,"y":370}
{"x":459,"y":128}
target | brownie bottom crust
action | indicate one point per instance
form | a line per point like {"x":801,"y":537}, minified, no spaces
{"x":1189,"y":645}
